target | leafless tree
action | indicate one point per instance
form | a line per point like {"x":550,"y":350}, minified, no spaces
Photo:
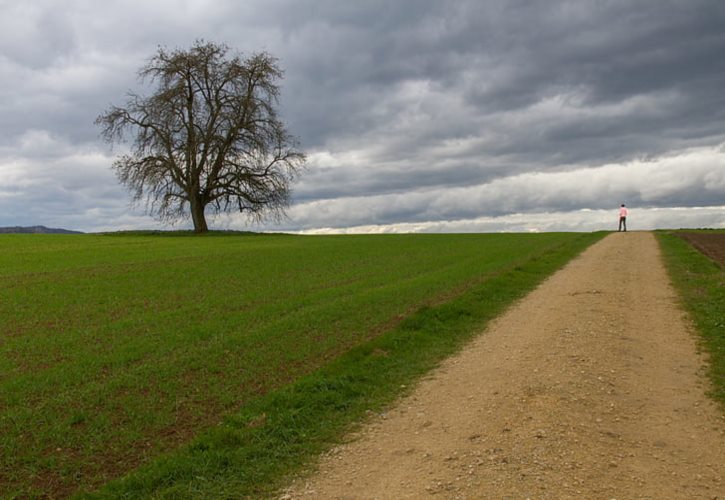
{"x":208,"y":137}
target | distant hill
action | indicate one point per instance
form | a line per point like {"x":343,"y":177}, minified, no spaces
{"x":35,"y":230}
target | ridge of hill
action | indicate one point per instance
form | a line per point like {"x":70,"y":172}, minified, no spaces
{"x":36,"y":230}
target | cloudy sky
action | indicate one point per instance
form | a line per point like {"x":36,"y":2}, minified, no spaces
{"x":416,"y":115}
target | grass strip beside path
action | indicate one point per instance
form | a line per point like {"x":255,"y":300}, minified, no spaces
{"x":701,"y":284}
{"x":253,"y":452}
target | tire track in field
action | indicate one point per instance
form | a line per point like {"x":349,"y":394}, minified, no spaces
{"x":590,"y":387}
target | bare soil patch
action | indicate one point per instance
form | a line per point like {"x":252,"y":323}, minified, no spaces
{"x":711,"y":244}
{"x":590,"y":387}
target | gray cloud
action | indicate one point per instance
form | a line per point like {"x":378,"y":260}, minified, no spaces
{"x":412,"y":111}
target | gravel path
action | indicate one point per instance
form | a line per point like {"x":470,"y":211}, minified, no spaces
{"x":590,"y":387}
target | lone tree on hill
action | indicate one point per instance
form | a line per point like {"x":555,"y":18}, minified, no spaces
{"x":208,"y":136}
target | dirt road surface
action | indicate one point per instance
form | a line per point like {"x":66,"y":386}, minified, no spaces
{"x":590,"y":387}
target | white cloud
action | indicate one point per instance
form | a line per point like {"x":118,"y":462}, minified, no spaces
{"x":696,"y":176}
{"x":578,"y":221}
{"x":47,"y":180}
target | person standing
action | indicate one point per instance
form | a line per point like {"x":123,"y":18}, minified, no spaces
{"x":623,"y":212}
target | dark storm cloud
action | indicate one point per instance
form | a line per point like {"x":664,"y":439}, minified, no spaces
{"x":630,"y":81}
{"x":505,"y":56}
{"x":414,"y":110}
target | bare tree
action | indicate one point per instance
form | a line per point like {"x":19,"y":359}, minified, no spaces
{"x":208,"y":137}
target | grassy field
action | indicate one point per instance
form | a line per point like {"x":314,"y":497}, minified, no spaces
{"x":701,"y":284}
{"x":115,"y":351}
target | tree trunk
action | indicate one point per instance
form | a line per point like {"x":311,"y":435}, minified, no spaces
{"x":197,"y":215}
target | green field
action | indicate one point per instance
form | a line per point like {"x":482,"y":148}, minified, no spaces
{"x":118,"y":350}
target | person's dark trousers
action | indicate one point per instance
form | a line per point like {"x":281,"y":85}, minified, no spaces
{"x":623,"y":222}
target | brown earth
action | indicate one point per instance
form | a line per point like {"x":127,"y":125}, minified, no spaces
{"x":711,"y":244}
{"x":590,"y":387}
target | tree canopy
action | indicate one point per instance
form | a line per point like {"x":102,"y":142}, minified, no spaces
{"x":208,"y":138}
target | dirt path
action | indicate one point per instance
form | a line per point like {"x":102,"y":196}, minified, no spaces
{"x":589,"y":388}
